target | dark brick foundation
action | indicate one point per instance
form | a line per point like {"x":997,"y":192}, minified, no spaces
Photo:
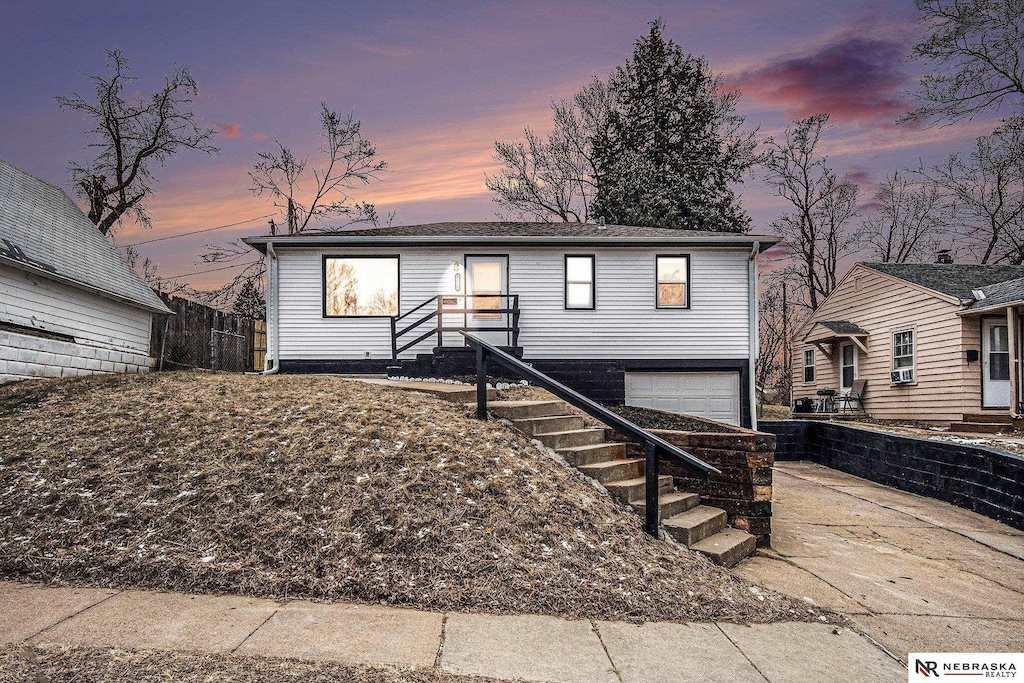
{"x":743,"y":489}
{"x":983,"y":480}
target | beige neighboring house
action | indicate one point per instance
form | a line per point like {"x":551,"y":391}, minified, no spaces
{"x":934,"y":341}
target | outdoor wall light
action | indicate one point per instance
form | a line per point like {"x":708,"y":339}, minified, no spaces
{"x":457,"y":267}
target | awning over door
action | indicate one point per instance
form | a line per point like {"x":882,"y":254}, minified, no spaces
{"x":831,"y":331}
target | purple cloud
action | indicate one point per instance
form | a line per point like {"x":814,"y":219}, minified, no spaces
{"x":851,"y":78}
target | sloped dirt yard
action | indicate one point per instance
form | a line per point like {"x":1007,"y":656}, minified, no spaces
{"x":322,"y":488}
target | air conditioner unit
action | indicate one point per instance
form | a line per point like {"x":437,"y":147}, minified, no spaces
{"x":902,"y":376}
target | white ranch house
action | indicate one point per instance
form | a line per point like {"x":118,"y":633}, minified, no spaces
{"x":69,"y":304}
{"x":647,"y":316}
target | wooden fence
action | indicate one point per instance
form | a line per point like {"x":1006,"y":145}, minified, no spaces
{"x":198,"y":336}
{"x":259,"y":347}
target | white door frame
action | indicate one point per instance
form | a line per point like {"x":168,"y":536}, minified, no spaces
{"x":993,"y":394}
{"x":843,"y":390}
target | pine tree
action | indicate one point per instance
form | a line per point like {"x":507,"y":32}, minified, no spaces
{"x":250,"y":302}
{"x":673,"y":146}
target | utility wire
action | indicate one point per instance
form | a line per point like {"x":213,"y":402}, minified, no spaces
{"x":196,"y":232}
{"x":211,"y":270}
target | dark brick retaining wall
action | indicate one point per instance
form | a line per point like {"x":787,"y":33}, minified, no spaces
{"x":743,"y":489}
{"x":984,"y":480}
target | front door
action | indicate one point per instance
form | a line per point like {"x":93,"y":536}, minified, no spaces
{"x":486,"y":287}
{"x":847,"y":367}
{"x":995,"y":365}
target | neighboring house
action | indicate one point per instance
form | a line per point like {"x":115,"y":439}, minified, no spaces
{"x":934,"y":341}
{"x":647,"y":316}
{"x":69,"y":304}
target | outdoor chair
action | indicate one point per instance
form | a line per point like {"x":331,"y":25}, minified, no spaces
{"x":854,"y":401}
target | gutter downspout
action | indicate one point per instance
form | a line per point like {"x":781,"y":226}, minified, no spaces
{"x":753,"y":330}
{"x":271,"y":365}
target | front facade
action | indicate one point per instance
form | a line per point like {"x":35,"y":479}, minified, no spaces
{"x":916,"y":337}
{"x":69,"y":304}
{"x":650,"y":317}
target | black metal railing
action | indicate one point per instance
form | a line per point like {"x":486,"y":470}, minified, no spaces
{"x":447,"y":305}
{"x":653,"y":445}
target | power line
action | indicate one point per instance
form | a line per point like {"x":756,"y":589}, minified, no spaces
{"x":196,"y":232}
{"x":211,"y":270}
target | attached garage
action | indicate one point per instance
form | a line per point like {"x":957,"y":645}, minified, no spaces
{"x":712,"y":395}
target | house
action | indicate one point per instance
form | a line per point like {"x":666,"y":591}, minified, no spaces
{"x":647,"y":316}
{"x":69,"y":304}
{"x":934,"y":341}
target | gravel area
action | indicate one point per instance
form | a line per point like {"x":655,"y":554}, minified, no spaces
{"x":317,"y":487}
{"x":80,"y":665}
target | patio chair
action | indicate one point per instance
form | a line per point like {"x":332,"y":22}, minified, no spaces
{"x":856,"y":396}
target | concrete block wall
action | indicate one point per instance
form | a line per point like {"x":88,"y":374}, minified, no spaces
{"x":984,"y":480}
{"x":25,"y":356}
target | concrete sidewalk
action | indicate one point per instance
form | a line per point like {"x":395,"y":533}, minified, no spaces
{"x":534,"y":648}
{"x":915,"y":574}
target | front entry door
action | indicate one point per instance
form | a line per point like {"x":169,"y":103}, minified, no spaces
{"x":486,"y":283}
{"x":995,"y":366}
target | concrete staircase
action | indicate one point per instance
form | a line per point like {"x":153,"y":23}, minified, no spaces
{"x":699,"y":527}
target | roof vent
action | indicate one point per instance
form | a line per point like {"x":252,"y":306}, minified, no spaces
{"x":944,"y":256}
{"x":978,"y":294}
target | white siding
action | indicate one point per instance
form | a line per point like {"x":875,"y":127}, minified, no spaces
{"x":92,"y":320}
{"x":625,"y":324}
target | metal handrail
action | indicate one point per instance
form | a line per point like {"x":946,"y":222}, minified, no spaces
{"x":511,"y":309}
{"x":653,"y":444}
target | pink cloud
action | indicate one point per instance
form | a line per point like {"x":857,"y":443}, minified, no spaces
{"x":259,"y":137}
{"x":230,"y":130}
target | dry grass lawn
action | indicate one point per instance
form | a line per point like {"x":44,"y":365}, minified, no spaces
{"x":322,"y":488}
{"x":50,"y":665}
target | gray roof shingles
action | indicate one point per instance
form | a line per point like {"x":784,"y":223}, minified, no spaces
{"x":954,"y":279}
{"x":1000,"y":294}
{"x":518,"y":229}
{"x":43,"y":229}
{"x":843,"y":327}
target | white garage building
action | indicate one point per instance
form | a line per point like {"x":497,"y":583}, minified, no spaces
{"x":647,"y":316}
{"x":69,"y":304}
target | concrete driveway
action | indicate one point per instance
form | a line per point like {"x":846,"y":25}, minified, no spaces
{"x":915,"y":574}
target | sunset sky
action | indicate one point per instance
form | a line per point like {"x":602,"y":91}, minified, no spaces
{"x":435,"y":84}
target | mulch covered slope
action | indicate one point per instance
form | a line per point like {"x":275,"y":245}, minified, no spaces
{"x":35,"y":664}
{"x":322,"y":488}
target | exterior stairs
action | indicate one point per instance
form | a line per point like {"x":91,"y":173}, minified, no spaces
{"x":699,"y":527}
{"x":980,"y":423}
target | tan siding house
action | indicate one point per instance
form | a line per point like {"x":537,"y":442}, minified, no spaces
{"x":916,"y":335}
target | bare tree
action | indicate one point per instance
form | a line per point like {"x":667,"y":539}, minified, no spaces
{"x":349,"y":161}
{"x":973,"y":50}
{"x":553,"y":179}
{"x":984,"y":193}
{"x":906,"y":223}
{"x":817,"y":229}
{"x":346,"y":161}
{"x":130,"y":133}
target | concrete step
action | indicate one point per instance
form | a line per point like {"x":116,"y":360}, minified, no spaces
{"x":592,"y":453}
{"x":980,"y":427}
{"x":985,"y":418}
{"x":614,"y":470}
{"x":727,"y":547}
{"x":695,"y":525}
{"x":669,"y":504}
{"x":521,"y":410}
{"x":547,"y":424}
{"x":628,"y":490}
{"x":575,"y":437}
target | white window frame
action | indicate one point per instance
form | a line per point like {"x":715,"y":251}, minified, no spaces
{"x":812,"y":366}
{"x":913,"y":350}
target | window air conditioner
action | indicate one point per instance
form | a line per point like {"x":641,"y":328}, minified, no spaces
{"x":902,"y":376}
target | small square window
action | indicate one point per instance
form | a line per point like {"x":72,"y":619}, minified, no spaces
{"x":673,"y":274}
{"x":809,"y":366}
{"x":579,"y":282}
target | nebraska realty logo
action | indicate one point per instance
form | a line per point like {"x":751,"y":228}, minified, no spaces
{"x":928,"y":666}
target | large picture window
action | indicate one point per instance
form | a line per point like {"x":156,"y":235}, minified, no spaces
{"x":579,"y":282}
{"x":673,"y":281}
{"x":360,"y":286}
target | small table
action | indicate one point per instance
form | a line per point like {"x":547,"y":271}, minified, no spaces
{"x":826,"y":400}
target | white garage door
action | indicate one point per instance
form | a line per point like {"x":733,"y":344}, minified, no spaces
{"x":714,"y":395}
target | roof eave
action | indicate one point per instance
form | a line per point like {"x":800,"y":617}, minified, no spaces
{"x":990,"y":308}
{"x":731,"y":241}
{"x":57,"y":277}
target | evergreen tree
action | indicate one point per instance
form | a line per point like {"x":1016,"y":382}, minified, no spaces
{"x":250,"y":302}
{"x":673,"y":146}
